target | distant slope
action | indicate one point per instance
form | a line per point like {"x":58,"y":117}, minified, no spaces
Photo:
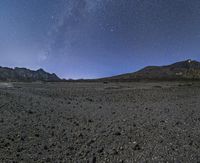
{"x":23,"y":74}
{"x":185,"y":70}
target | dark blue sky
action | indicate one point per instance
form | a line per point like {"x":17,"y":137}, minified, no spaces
{"x":97,"y":38}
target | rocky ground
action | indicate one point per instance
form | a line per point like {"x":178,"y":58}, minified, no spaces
{"x":100,"y":122}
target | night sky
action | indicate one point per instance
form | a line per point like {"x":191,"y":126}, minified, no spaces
{"x":97,"y":38}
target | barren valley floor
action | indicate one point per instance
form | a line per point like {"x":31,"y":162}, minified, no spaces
{"x":100,"y":122}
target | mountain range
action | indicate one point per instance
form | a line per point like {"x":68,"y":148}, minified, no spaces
{"x":184,"y":70}
{"x":23,"y":74}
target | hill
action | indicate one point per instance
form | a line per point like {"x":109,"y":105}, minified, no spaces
{"x":184,"y":70}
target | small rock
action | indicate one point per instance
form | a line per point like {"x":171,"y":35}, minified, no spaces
{"x":100,"y":150}
{"x":71,"y":148}
{"x":30,"y":112}
{"x":80,"y":135}
{"x":94,"y":159}
{"x":7,"y":144}
{"x":90,"y":121}
{"x":19,"y":149}
{"x":89,"y":99}
{"x":45,"y":147}
{"x":37,"y":135}
{"x":137,"y":147}
{"x":117,"y":133}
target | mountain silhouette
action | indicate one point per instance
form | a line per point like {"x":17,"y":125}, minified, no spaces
{"x":184,"y":70}
{"x":23,"y":74}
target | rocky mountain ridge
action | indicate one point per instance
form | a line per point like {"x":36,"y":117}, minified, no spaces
{"x":24,"y":74}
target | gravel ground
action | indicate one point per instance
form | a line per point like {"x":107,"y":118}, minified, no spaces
{"x":100,"y":122}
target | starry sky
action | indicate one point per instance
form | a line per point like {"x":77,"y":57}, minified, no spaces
{"x":97,"y":38}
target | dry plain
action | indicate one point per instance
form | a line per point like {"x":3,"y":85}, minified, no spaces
{"x":100,"y":122}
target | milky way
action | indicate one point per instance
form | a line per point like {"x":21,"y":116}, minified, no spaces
{"x":96,"y":38}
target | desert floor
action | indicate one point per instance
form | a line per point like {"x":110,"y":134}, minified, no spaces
{"x":100,"y":122}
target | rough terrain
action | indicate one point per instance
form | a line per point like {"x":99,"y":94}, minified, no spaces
{"x":100,"y":122}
